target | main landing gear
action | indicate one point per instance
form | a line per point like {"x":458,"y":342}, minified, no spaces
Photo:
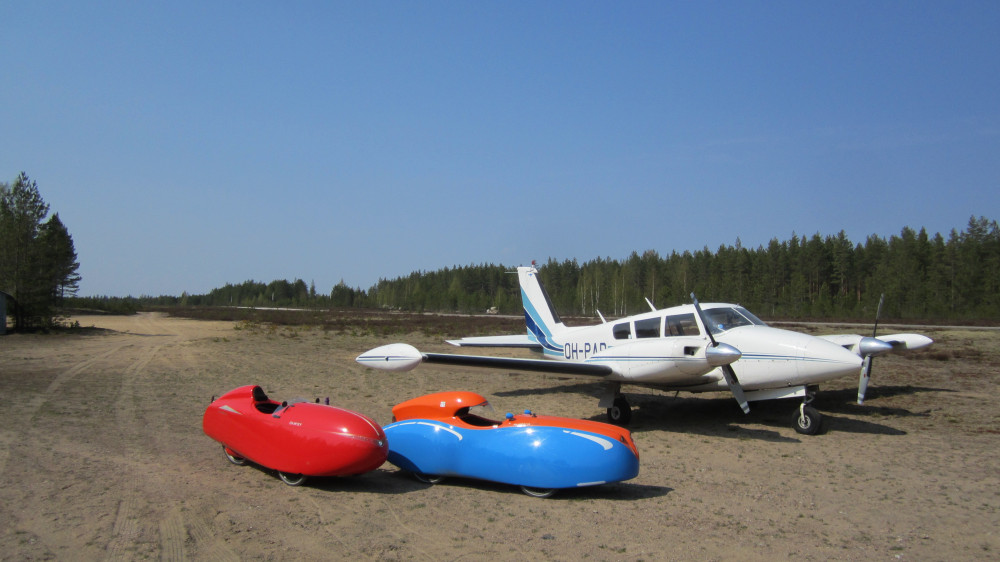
{"x":806,"y":420}
{"x":620,"y":413}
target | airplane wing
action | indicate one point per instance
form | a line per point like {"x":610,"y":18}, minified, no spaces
{"x":405,"y":357}
{"x":899,"y":342}
{"x":520,"y":340}
{"x":871,"y":347}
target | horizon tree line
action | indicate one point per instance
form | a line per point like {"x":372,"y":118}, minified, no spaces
{"x":923,"y":277}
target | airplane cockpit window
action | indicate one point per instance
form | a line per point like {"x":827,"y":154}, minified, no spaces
{"x":750,"y":316}
{"x":682,"y":325}
{"x":648,"y":328}
{"x":727,"y":318}
{"x":622,"y":331}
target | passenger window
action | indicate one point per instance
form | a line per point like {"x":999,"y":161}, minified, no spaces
{"x":648,"y":328}
{"x":682,"y":325}
{"x":621,"y":331}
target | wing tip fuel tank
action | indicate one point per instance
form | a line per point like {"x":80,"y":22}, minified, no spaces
{"x":398,"y":357}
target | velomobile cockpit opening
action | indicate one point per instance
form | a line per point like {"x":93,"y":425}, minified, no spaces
{"x":266,"y":407}
{"x":261,"y":402}
{"x":287,"y":405}
{"x":479,"y":415}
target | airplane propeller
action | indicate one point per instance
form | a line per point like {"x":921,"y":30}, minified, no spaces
{"x":720,"y":351}
{"x":866,"y":367}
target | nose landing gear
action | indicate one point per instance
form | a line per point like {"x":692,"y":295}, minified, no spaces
{"x":807,"y":419}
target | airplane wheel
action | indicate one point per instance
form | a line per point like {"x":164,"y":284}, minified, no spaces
{"x":538,"y":492}
{"x":620,"y":413}
{"x":807,"y":420}
{"x":238,"y":461}
{"x":292,"y":479}
{"x":428,"y":478}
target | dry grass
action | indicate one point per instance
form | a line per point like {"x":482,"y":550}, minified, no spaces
{"x":359,"y":321}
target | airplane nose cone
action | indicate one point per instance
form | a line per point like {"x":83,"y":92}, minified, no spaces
{"x":722,"y":354}
{"x":873,"y":347}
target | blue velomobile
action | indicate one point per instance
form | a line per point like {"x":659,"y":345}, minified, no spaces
{"x":437,"y":435}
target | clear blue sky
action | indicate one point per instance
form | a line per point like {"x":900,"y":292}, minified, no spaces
{"x":190,"y":144}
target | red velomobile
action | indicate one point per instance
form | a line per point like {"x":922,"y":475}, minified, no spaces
{"x":297,"y":438}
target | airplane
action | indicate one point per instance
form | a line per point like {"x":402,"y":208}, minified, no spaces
{"x":693,"y":347}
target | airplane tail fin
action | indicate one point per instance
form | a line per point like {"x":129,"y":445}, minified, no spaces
{"x":540,"y":316}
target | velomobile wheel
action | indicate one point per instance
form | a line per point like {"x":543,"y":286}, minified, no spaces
{"x":428,"y":478}
{"x":238,"y":461}
{"x":538,"y":492}
{"x":292,"y":479}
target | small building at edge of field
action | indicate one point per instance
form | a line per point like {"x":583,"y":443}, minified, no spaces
{"x":4,"y":297}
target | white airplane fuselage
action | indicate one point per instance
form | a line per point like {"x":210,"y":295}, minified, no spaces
{"x":771,"y":357}
{"x":692,"y":347}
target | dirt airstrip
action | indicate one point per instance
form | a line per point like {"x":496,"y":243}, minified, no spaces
{"x":102,"y":456}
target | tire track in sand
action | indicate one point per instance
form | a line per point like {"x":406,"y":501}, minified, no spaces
{"x":415,"y":542}
{"x":22,"y":424}
{"x":175,"y":529}
{"x":125,"y":531}
{"x":176,"y":526}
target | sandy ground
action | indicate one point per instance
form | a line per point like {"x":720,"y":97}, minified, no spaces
{"x":102,"y":456}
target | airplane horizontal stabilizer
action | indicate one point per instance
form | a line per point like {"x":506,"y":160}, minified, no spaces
{"x":520,"y":341}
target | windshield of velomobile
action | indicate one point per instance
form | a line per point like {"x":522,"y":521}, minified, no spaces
{"x":481,"y":414}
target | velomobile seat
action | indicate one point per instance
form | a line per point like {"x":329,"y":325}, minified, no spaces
{"x":259,"y":395}
{"x":262,"y":402}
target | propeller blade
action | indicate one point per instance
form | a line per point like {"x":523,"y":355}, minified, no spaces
{"x":704,"y":321}
{"x":878,"y":313}
{"x":717,"y":352}
{"x":870,"y":349}
{"x":866,"y":375}
{"x":735,"y":388}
